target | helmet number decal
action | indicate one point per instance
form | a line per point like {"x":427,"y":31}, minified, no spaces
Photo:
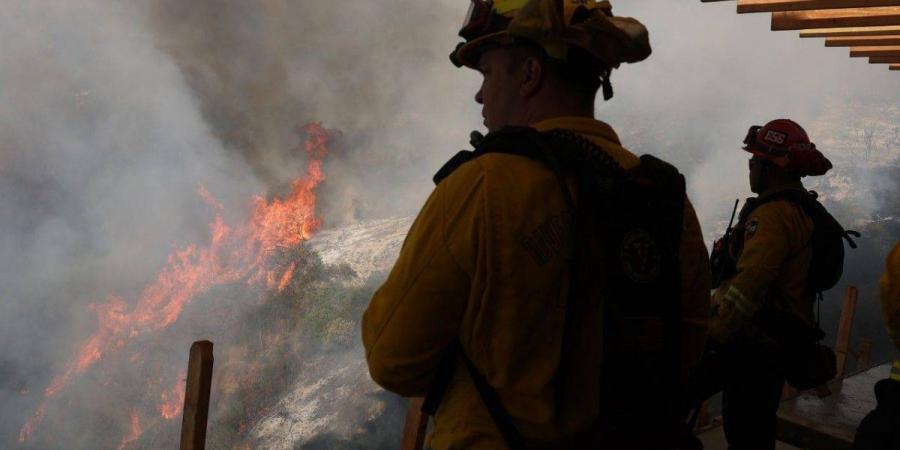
{"x":775,"y":137}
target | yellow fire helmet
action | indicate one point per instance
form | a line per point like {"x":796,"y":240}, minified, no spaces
{"x":555,"y":25}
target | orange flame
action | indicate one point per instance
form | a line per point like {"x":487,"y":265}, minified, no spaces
{"x":231,"y":255}
{"x":134,"y":433}
{"x":286,"y":277}
{"x":173,"y":400}
{"x":31,"y":425}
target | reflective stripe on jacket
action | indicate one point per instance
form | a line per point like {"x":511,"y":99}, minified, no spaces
{"x":485,"y":263}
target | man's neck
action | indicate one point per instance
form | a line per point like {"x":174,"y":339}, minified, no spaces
{"x":782,"y":186}
{"x":548,"y":107}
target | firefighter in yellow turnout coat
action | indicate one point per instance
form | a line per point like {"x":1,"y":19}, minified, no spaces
{"x":880,"y":429}
{"x":761,"y":269}
{"x":890,"y":298}
{"x":486,"y":262}
{"x":771,"y":268}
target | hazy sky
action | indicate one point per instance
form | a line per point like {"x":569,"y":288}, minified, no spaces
{"x":112,"y":113}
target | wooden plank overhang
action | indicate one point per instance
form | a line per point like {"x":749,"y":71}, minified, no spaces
{"x":754,"y":6}
{"x":893,"y":50}
{"x":884,"y":60}
{"x":851,"y":32}
{"x":870,"y":28}
{"x":858,"y":41}
{"x":833,"y":18}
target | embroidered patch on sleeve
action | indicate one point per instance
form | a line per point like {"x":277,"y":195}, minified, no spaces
{"x":751,"y":227}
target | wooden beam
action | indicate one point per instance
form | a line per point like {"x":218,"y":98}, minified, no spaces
{"x":845,"y":328}
{"x":889,"y":50}
{"x":884,"y":60}
{"x":758,"y":6}
{"x":196,"y":396}
{"x":852,"y":31}
{"x":864,"y":355}
{"x":834,"y":18}
{"x":857,"y":41}
{"x":894,"y":67}
{"x":416,"y":423}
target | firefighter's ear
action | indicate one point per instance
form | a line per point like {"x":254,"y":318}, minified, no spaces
{"x":532,"y":77}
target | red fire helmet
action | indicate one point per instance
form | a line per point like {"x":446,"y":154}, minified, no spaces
{"x":786,"y":143}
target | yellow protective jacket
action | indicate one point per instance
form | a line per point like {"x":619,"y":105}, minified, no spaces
{"x":483,"y":264}
{"x":772,"y":268}
{"x":890,"y":295}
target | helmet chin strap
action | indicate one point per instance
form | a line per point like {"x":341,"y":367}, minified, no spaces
{"x":761,"y":181}
{"x":607,"y":85}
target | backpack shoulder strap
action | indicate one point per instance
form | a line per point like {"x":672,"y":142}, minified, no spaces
{"x":510,"y":140}
{"x":521,"y":141}
{"x":462,"y":157}
{"x":502,"y":419}
{"x":577,"y":152}
{"x":753,"y":203}
{"x":489,"y":396}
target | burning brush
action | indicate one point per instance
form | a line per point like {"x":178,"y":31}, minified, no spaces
{"x":234,"y":255}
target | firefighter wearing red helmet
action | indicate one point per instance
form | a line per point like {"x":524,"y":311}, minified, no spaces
{"x":763,"y":323}
{"x":786,"y":144}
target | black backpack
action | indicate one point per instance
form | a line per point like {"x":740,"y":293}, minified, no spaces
{"x":827,"y":240}
{"x":641,"y":225}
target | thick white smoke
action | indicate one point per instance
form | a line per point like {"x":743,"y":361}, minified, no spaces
{"x":377,"y":71}
{"x":102,"y":149}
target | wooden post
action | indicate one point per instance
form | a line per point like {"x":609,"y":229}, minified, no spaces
{"x":703,"y":417}
{"x":196,"y":396}
{"x":416,"y":423}
{"x":845,"y":327}
{"x":863,"y":355}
